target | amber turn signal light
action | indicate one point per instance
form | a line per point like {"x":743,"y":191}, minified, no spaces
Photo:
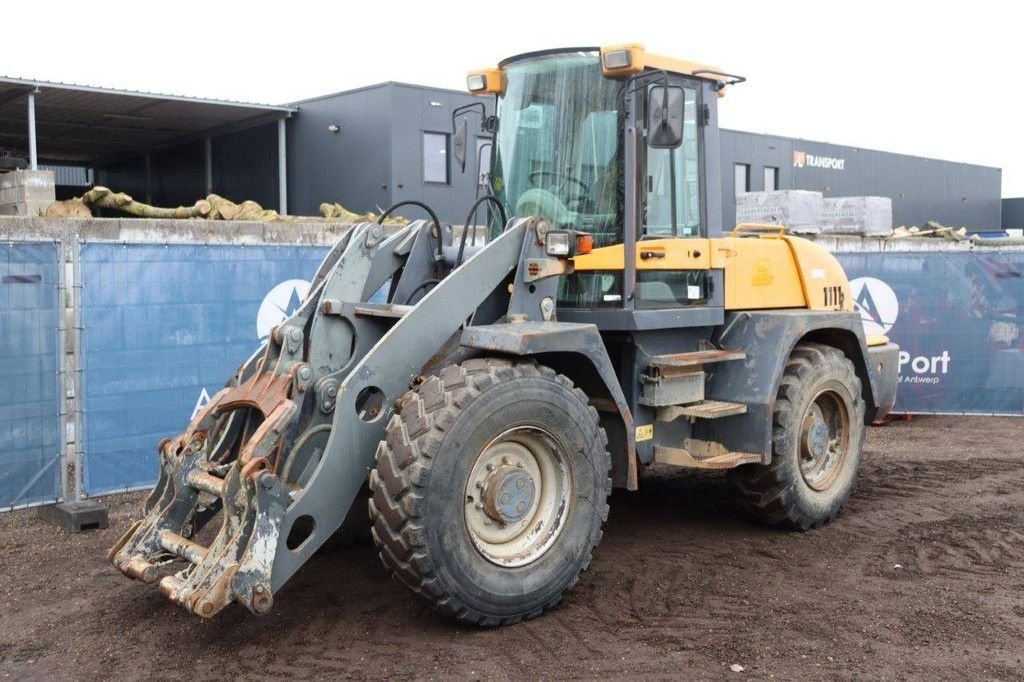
{"x":584,"y":244}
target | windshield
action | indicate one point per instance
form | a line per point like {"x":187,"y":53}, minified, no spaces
{"x":557,"y":152}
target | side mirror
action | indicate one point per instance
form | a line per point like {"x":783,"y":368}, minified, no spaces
{"x":665,"y":116}
{"x":459,"y":145}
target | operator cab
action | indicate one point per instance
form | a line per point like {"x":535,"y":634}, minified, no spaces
{"x":617,"y":143}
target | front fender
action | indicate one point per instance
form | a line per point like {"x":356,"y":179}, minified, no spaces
{"x":577,"y":351}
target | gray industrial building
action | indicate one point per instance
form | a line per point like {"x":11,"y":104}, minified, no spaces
{"x":378,"y":145}
{"x":1013,"y":213}
{"x":374,"y":146}
{"x":921,"y":189}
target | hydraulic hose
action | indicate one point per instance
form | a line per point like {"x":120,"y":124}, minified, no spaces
{"x":469,"y":216}
{"x":413,"y":202}
{"x":422,"y":285}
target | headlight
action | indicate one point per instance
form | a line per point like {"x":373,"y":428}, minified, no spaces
{"x":617,"y":59}
{"x":476,"y":82}
{"x":558,"y":244}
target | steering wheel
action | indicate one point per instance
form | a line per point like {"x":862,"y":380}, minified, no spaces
{"x":561,"y":182}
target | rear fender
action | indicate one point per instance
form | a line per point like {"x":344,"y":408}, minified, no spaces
{"x":768,"y":337}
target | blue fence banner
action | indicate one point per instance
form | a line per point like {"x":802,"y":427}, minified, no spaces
{"x":959,"y":320}
{"x":164,"y":326}
{"x":29,"y":380}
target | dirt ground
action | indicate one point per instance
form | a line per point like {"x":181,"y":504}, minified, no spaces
{"x":922,"y":577}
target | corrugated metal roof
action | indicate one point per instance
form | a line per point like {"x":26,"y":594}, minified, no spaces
{"x":83,"y":124}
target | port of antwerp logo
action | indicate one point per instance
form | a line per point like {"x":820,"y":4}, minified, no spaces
{"x":279,"y":303}
{"x":877,"y":304}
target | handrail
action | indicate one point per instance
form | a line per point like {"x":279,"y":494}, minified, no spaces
{"x":780,"y":230}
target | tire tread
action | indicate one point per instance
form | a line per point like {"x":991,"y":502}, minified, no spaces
{"x":402,"y":469}
{"x":765,"y":492}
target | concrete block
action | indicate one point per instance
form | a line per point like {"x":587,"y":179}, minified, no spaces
{"x":37,"y":193}
{"x":800,"y":211}
{"x":26,"y":178}
{"x":870,"y":216}
{"x":74,"y":517}
{"x":25,"y":208}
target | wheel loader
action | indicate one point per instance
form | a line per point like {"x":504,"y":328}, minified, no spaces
{"x":489,"y":393}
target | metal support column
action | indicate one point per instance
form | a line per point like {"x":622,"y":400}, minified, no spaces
{"x":208,"y":153}
{"x":67,"y":369}
{"x":76,"y":366}
{"x":282,"y":168}
{"x":32,"y":160}
{"x":149,"y":178}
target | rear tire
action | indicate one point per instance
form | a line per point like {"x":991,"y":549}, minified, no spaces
{"x":817,"y":435}
{"x":490,"y":490}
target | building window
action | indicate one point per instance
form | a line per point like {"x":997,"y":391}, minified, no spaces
{"x":771,"y":178}
{"x":435,"y":158}
{"x":741,"y":175}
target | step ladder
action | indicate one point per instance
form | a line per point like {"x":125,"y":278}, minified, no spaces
{"x":674,"y":384}
{"x":677,"y":381}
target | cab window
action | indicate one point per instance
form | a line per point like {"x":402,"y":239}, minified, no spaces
{"x":672,"y":182}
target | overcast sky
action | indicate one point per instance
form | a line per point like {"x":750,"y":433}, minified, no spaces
{"x":934,"y":79}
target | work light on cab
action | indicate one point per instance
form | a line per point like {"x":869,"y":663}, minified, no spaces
{"x":566,"y":243}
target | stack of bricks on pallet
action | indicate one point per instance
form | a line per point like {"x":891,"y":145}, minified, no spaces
{"x":799,"y":210}
{"x":806,"y":212}
{"x":868,"y":216}
{"x":26,"y":192}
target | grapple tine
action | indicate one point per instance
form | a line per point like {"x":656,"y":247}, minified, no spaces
{"x":172,"y":512}
{"x":237,"y":566}
{"x":197,"y":581}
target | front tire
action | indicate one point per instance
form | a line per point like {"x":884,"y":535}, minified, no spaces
{"x":490,"y":490}
{"x":817,"y":435}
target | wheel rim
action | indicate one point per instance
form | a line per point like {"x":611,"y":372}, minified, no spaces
{"x":824,"y":440}
{"x":517,"y":496}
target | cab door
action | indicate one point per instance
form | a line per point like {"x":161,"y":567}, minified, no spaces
{"x":672,"y":250}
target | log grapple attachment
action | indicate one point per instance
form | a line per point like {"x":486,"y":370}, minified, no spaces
{"x":279,"y":454}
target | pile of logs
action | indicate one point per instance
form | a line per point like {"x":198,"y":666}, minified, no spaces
{"x":931,"y":229}
{"x":213,"y":207}
{"x":339,"y":212}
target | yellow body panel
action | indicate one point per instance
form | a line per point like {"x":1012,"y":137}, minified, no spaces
{"x":759,"y":273}
{"x":769,"y":271}
{"x":661,"y":254}
{"x":824,"y":280}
